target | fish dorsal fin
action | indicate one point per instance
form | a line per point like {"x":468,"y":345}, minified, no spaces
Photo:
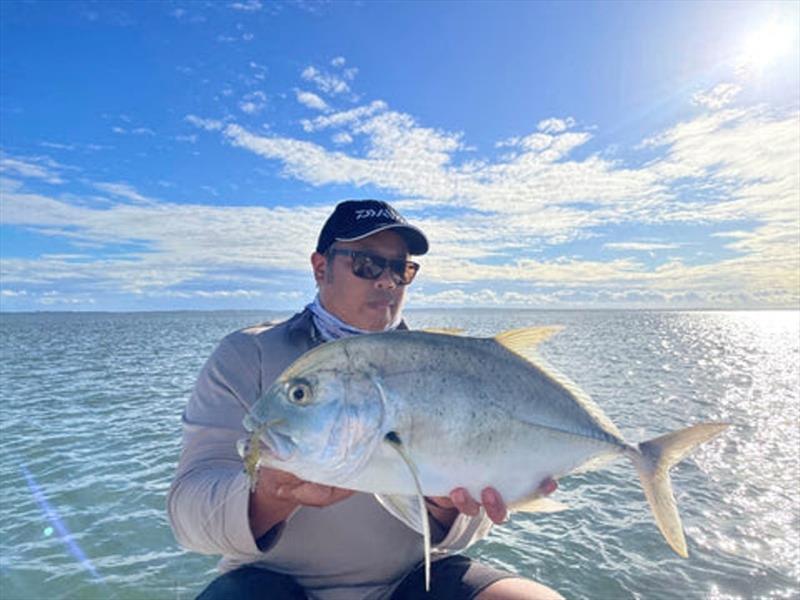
{"x":393,"y":440}
{"x":443,"y":330}
{"x":520,"y":340}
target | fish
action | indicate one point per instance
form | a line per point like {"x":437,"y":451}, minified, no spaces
{"x":409,"y":414}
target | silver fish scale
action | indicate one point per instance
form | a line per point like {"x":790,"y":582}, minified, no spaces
{"x":517,"y":388}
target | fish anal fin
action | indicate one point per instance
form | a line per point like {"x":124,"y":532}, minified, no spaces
{"x":538,"y":504}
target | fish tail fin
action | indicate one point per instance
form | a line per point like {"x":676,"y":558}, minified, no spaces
{"x":653,"y":462}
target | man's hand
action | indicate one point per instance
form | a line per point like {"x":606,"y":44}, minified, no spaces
{"x":288,"y":488}
{"x":460,"y":501}
{"x":279,"y":493}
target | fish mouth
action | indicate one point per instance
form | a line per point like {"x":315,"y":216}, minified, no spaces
{"x":277,"y":444}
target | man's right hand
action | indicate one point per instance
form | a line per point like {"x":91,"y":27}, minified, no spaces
{"x":279,"y":493}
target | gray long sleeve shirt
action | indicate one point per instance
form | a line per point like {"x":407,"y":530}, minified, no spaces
{"x":353,"y":549}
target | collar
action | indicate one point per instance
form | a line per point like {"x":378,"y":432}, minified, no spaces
{"x":301,"y":328}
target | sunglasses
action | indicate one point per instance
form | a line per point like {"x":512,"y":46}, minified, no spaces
{"x":371,"y":266}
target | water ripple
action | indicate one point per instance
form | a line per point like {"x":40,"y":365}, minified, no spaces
{"x":91,"y":409}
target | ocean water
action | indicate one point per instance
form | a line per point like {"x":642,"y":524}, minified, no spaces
{"x":90,"y":435}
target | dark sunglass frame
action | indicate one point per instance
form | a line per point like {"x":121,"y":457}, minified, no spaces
{"x":367,"y":265}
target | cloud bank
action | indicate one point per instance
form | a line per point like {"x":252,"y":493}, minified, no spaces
{"x":542,"y":222}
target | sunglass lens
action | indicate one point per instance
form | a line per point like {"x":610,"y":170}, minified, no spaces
{"x":367,"y":266}
{"x":405,"y":270}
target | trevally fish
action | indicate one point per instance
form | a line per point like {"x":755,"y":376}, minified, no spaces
{"x":409,"y":414}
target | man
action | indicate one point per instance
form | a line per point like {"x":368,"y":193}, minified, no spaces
{"x":296,"y":539}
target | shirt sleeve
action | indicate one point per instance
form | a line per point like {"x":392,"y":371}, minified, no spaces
{"x":208,"y":500}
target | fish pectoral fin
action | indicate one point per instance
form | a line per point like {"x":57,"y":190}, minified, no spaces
{"x":538,"y":505}
{"x":393,"y":440}
{"x":402,"y":508}
{"x":519,"y":340}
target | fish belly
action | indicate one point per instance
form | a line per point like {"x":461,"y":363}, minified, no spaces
{"x":515,"y":463}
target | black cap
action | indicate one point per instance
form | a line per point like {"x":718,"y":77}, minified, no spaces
{"x":356,"y":219}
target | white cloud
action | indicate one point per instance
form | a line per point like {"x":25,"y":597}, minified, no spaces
{"x":133,"y":131}
{"x":36,"y":167}
{"x":207,"y":294}
{"x":260,"y":71}
{"x":338,"y":62}
{"x":311,"y":100}
{"x":55,"y":297}
{"x":247,"y":5}
{"x":731,"y":234}
{"x":402,"y":155}
{"x":344,"y":118}
{"x":554,"y":125}
{"x":58,"y":146}
{"x":342,"y":138}
{"x":489,"y":218}
{"x":178,"y":244}
{"x":741,"y":163}
{"x":123,"y":190}
{"x":207,"y":124}
{"x":327,"y":82}
{"x":720,"y":95}
{"x":9,"y":185}
{"x":641,"y":246}
{"x":75,"y":147}
{"x":253,"y":102}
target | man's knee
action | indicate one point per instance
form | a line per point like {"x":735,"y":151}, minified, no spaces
{"x":516,"y":588}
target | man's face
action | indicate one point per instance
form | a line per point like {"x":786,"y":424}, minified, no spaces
{"x":367,"y":304}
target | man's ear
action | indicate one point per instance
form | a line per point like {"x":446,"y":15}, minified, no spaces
{"x":318,"y":264}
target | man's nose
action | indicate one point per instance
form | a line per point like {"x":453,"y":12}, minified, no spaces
{"x":386,"y":281}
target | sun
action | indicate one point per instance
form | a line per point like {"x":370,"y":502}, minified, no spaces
{"x":766,"y":45}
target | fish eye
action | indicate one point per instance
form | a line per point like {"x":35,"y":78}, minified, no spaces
{"x":299,"y":393}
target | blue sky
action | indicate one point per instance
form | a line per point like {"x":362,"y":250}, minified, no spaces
{"x":183,"y":155}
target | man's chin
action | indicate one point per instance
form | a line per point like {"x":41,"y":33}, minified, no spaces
{"x":379,"y":316}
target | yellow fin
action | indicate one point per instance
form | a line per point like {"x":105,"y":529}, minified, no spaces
{"x":443,"y":330}
{"x":519,"y":340}
{"x":653,"y":461}
{"x":542,"y":505}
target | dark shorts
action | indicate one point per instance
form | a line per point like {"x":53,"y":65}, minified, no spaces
{"x":453,"y":578}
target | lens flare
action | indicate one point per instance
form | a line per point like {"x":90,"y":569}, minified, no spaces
{"x":57,"y":524}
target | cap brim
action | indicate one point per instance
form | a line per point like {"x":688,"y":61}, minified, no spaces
{"x":415,"y":240}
